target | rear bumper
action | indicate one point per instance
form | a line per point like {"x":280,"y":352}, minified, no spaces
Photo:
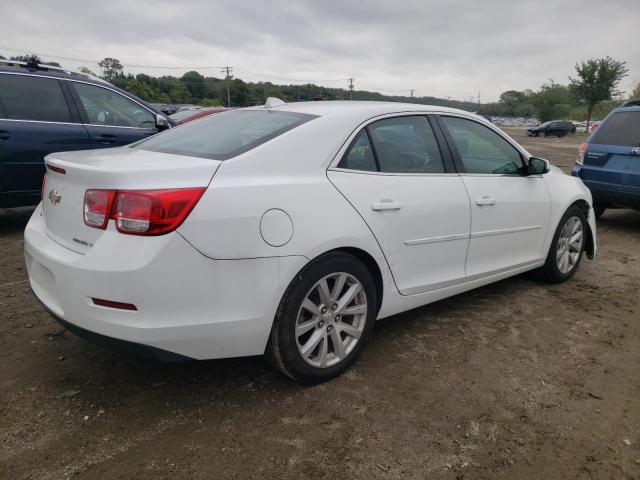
{"x":187,"y":304}
{"x":607,"y":193}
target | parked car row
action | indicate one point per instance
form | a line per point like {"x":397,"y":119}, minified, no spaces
{"x":47,"y":109}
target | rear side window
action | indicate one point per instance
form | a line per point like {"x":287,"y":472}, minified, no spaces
{"x":32,"y":98}
{"x":225,"y":135}
{"x":360,"y":155}
{"x":406,"y":145}
{"x":400,"y":145}
{"x":621,"y":128}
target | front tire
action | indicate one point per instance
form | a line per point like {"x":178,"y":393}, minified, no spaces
{"x":567,"y":246}
{"x":324,"y":319}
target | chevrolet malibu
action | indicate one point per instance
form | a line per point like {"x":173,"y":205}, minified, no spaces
{"x":288,"y":229}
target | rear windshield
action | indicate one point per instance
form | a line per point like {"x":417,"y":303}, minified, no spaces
{"x":621,"y":128}
{"x":224,"y":135}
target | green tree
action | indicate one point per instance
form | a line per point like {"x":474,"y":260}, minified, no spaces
{"x":635,"y":91}
{"x":239,"y":93}
{"x":194,"y":82}
{"x":553,"y":101}
{"x":111,"y":68}
{"x":597,"y":80}
{"x":87,"y":71}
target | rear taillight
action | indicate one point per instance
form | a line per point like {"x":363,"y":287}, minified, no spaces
{"x":97,"y":207}
{"x":141,"y":212}
{"x":44,"y":183}
{"x":581,"y":151}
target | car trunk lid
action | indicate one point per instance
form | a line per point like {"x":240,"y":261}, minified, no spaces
{"x":69,"y":175}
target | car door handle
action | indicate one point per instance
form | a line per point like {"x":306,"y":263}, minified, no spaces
{"x":106,"y":139}
{"x":385,"y":205}
{"x":4,"y":135}
{"x":485,"y":200}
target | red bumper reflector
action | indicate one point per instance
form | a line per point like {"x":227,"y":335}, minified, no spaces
{"x":56,"y":169}
{"x":111,"y":304}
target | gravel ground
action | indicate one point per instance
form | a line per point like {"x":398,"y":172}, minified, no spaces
{"x":516,"y":380}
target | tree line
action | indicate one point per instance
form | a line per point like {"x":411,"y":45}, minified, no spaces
{"x":591,"y":94}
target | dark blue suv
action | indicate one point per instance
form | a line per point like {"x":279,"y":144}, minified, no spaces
{"x":45,"y":110}
{"x":609,"y":161}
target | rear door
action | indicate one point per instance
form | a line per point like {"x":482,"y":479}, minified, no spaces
{"x":37,"y":117}
{"x":111,"y":118}
{"x":509,"y":211}
{"x":612,"y":158}
{"x":405,"y":188}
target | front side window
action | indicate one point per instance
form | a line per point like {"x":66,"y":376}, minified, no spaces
{"x":106,"y":107}
{"x":481,"y":149}
{"x":32,"y":98}
{"x":621,"y":129}
{"x":225,"y":135}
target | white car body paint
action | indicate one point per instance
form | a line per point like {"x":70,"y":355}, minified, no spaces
{"x":211,"y":288}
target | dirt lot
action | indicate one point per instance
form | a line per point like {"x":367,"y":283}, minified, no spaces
{"x":517,"y":380}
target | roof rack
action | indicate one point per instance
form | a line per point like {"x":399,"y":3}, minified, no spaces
{"x":32,"y":66}
{"x":632,"y":103}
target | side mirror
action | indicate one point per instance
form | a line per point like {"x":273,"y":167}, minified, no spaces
{"x":161,"y":122}
{"x":537,"y":166}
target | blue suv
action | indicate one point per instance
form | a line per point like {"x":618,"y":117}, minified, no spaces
{"x":45,"y":109}
{"x":609,"y":161}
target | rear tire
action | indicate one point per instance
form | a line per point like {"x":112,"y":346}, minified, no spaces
{"x":567,"y":246}
{"x":324,"y":319}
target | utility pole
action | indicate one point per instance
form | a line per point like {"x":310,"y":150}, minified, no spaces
{"x":351,"y":88}
{"x":412,"y":90}
{"x":299,"y":89}
{"x":227,"y":77}
{"x":478,"y":99}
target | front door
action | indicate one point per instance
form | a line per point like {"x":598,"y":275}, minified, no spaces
{"x":112,"y":119}
{"x":509,"y":211}
{"x":396,"y":176}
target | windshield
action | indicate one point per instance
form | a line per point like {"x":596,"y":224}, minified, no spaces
{"x":621,"y":128}
{"x":224,"y":135}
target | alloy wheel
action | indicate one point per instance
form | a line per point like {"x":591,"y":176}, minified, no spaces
{"x":569,"y":245}
{"x":331,"y":319}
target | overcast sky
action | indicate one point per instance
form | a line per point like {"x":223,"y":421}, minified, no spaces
{"x":439,"y":48}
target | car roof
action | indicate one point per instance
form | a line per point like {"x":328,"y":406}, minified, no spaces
{"x":635,"y":108}
{"x":55,"y":73}
{"x":366,"y":108}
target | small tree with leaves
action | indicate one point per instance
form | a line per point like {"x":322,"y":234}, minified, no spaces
{"x":635,"y":91}
{"x":597,"y":81}
{"x":111,"y":68}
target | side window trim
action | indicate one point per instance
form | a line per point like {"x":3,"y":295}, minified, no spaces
{"x":76,"y":117}
{"x":443,"y":145}
{"x":457,"y":159}
{"x":373,"y":148}
{"x":83,"y":112}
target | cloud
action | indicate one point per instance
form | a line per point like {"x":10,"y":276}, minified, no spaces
{"x":441,"y":48}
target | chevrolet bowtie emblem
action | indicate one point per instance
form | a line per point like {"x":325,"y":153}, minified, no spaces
{"x":54,"y":197}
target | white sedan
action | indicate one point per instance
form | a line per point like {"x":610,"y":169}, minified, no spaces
{"x":288,"y":229}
